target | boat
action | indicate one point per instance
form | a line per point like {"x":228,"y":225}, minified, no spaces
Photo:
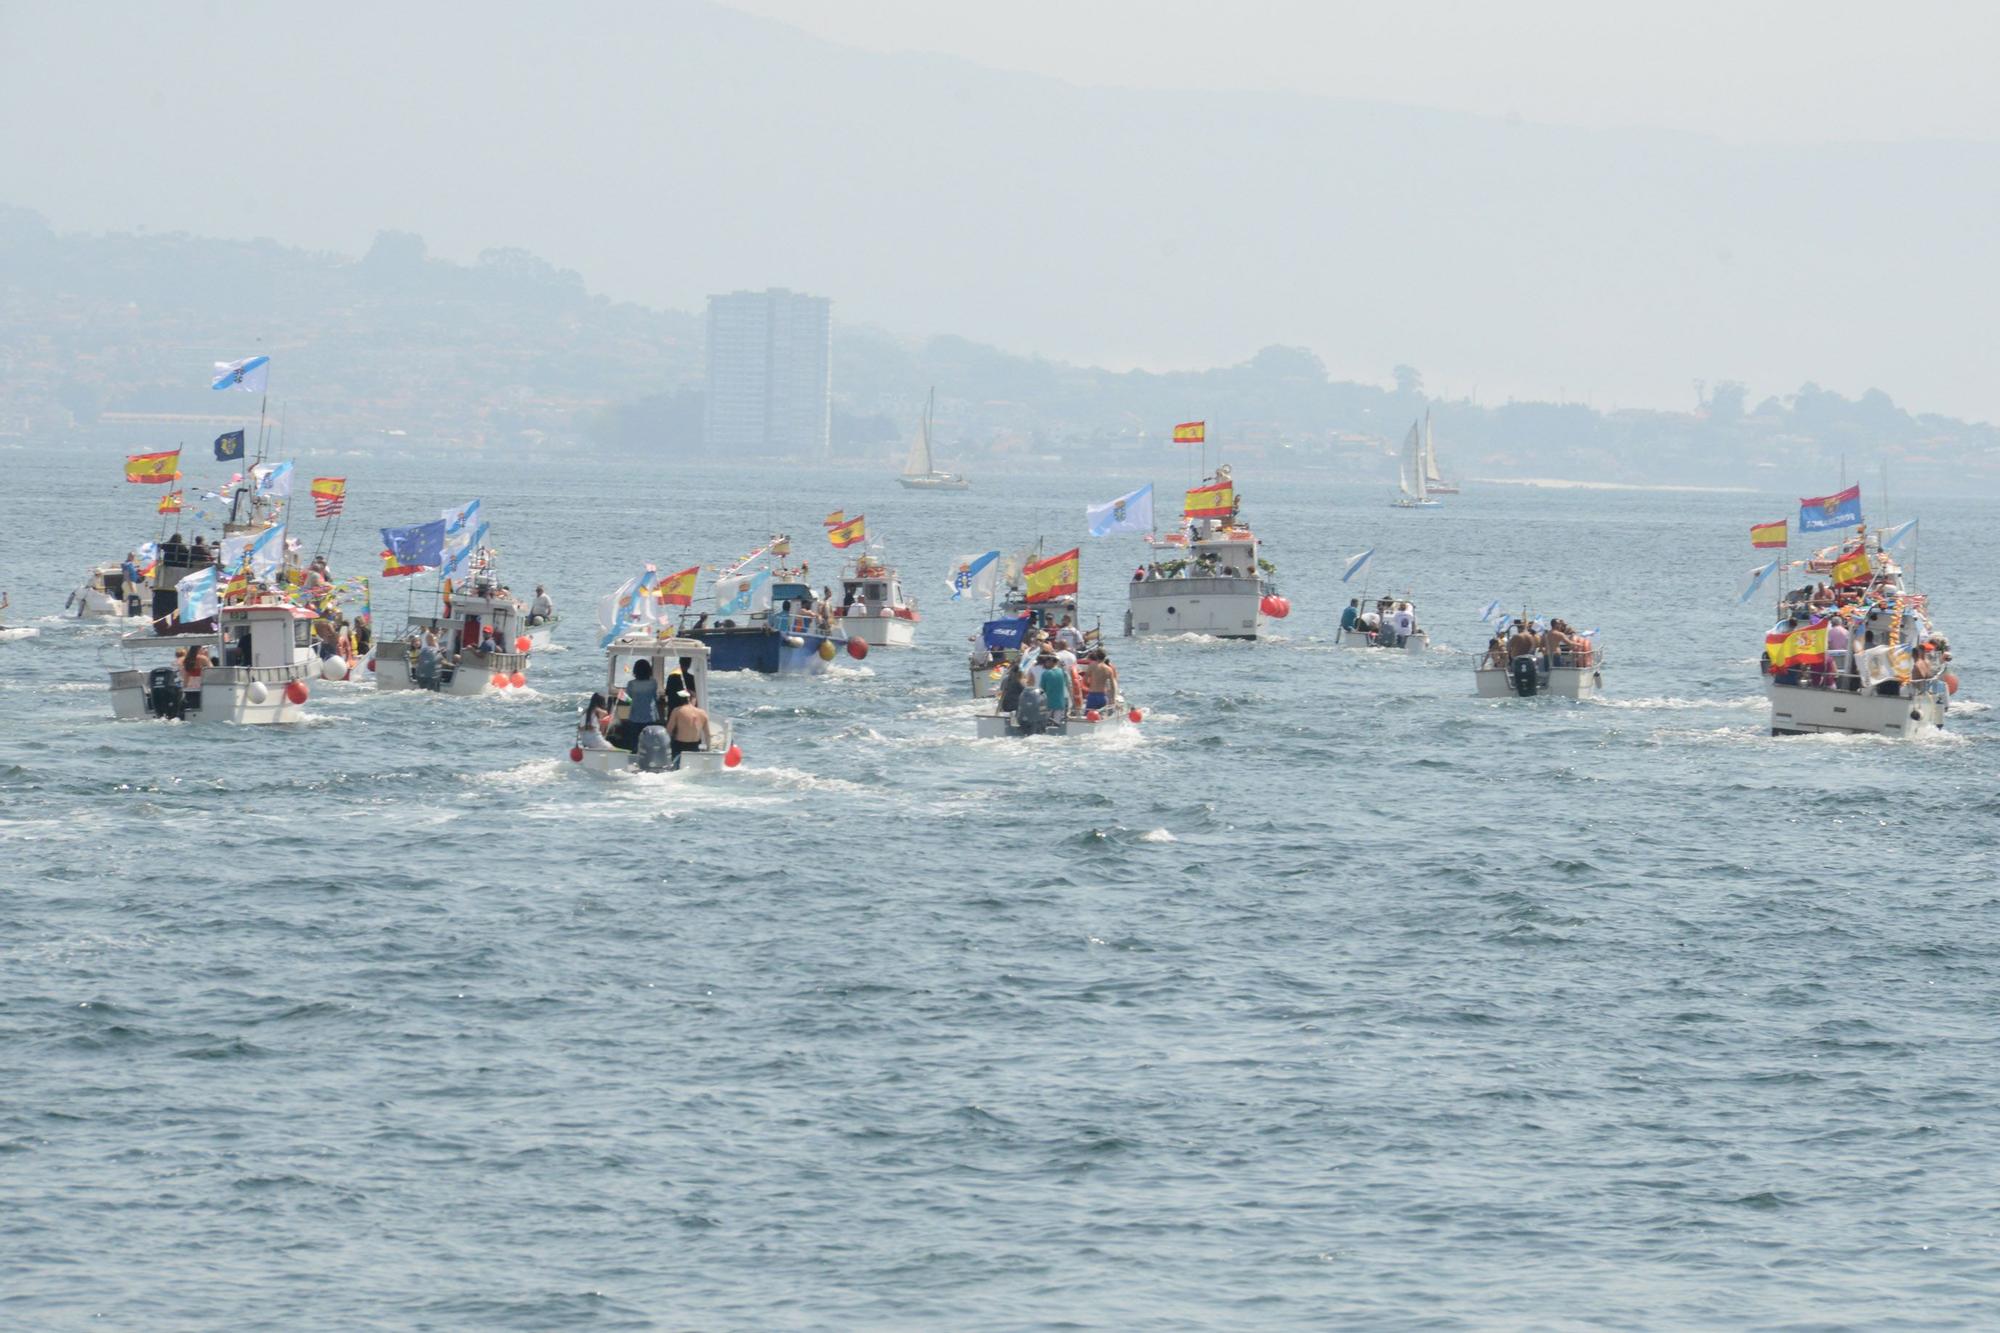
{"x":454,"y":662}
{"x":542,"y":633}
{"x":920,"y":472}
{"x":1410,"y":478}
{"x":873,"y":607}
{"x":1896,"y":687}
{"x":105,"y":596}
{"x":1434,"y":484}
{"x":1208,"y":578}
{"x":1375,"y":628}
{"x":1577,"y":674}
{"x":998,"y":645}
{"x":1115,"y":712}
{"x":785,"y":632}
{"x":264,"y":657}
{"x":652,"y":753}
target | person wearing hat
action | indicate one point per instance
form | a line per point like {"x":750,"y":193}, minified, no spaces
{"x":1055,"y":684}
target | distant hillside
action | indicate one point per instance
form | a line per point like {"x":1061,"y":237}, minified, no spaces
{"x":509,"y":352}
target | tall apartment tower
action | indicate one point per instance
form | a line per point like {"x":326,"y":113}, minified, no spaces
{"x":770,"y":382}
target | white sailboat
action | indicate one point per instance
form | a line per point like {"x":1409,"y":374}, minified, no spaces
{"x":1434,"y":484}
{"x":919,"y":472}
{"x":1410,"y":473}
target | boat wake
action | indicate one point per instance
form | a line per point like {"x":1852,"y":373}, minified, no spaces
{"x":10,"y":635}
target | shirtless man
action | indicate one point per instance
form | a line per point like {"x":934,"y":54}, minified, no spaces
{"x":1100,"y":683}
{"x":687,"y":729}
{"x":1520,"y":643}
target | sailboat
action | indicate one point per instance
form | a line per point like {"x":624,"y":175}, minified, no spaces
{"x":1410,"y":472}
{"x":1433,"y":483}
{"x":919,"y":473}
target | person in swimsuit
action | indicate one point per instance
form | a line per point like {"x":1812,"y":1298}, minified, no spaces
{"x":687,"y":730}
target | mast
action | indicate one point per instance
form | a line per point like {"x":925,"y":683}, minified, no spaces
{"x":930,"y":406}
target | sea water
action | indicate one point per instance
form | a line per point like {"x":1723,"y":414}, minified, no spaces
{"x":1328,"y":994}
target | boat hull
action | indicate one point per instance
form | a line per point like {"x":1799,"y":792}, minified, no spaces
{"x":1227,"y":608}
{"x":695,"y":763}
{"x":933,"y":484}
{"x":472,"y":677}
{"x":1585,"y":682}
{"x":1416,"y":643}
{"x":891,"y":631}
{"x":542,"y":635}
{"x":766,"y":651}
{"x":226,"y":696}
{"x":1799,"y":710}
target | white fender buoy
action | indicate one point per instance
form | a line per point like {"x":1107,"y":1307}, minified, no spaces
{"x":333,"y":668}
{"x":258,"y":692}
{"x":794,"y":641}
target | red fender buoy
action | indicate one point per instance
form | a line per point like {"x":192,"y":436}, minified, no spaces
{"x":732,"y":757}
{"x":857,"y":649}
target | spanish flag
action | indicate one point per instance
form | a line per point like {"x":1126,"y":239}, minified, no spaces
{"x":677,"y":589}
{"x":170,"y":503}
{"x":1853,"y":567}
{"x":392,"y":568}
{"x":1055,"y":576}
{"x":238,"y":586}
{"x":850,"y":532}
{"x":329,"y":496}
{"x":835,"y":519}
{"x":153,"y":469}
{"x":1799,"y":647}
{"x":1191,"y":432}
{"x":1217,"y":501}
{"x":1766,"y":535}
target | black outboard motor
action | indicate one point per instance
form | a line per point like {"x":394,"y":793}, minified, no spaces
{"x":653,"y":754}
{"x":164,"y":694}
{"x":1527,"y":678}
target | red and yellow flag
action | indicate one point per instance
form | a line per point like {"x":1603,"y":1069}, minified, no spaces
{"x":677,"y":589}
{"x":1852,"y":567}
{"x":1191,"y":432}
{"x":329,"y":496}
{"x":237,"y":586}
{"x":1055,"y":576}
{"x":170,"y":503}
{"x":393,"y":570}
{"x":835,"y":519}
{"x":1765,"y":535}
{"x":849,"y":533}
{"x":1217,"y":501}
{"x":153,"y":469}
{"x":1805,"y":646}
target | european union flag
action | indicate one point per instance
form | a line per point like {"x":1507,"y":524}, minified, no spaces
{"x":422,"y":544}
{"x":1003,"y":633}
{"x":229,"y":446}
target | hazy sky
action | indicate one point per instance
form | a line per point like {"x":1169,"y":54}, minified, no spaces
{"x":1743,"y":70}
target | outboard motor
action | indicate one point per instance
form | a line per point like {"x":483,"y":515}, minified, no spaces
{"x":1032,"y":714}
{"x":653,"y":754}
{"x":1527,"y":678}
{"x":164,"y":693}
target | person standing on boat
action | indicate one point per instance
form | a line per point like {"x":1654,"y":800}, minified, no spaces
{"x":1520,"y":643}
{"x":1069,"y":636}
{"x":427,"y":661}
{"x":687,"y":730}
{"x":1011,"y":684}
{"x":642,"y":697}
{"x":1100,"y":682}
{"x":1055,"y":684}
{"x":1404,"y":622}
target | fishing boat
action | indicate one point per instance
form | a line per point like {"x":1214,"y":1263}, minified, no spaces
{"x":449,"y":650}
{"x":1576,"y":673}
{"x":774,"y":625}
{"x":1013,"y":615}
{"x":1869,"y":665}
{"x":1410,"y":478}
{"x":873,"y":607}
{"x":263,"y":660}
{"x":1375,"y":627}
{"x":651,"y":751}
{"x":1209,"y":578}
{"x":1434,"y":483}
{"x":920,"y":471}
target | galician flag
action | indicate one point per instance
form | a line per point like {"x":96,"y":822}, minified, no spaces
{"x":199,"y":598}
{"x":1131,"y":512}
{"x":975,"y":574}
{"x":616,"y":613}
{"x":743,"y":593}
{"x":274,"y":481}
{"x":1357,"y":563}
{"x":252,"y":374}
{"x":267,"y":551}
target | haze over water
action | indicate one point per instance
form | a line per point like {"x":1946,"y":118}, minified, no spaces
{"x":1330,"y":994}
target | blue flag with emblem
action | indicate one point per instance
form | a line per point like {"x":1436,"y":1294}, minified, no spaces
{"x":229,"y":446}
{"x":976,"y":574}
{"x":1003,"y":633}
{"x":1839,"y":510}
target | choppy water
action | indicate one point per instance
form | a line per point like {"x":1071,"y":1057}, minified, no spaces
{"x":1329,"y":995}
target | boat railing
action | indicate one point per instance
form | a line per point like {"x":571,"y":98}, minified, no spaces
{"x":796,"y":622}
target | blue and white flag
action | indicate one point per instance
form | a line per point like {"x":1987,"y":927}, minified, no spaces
{"x":1896,"y":535}
{"x":267,"y":552}
{"x":743,"y":594}
{"x":421,"y":544}
{"x":458,"y":548}
{"x":460,"y":516}
{"x":1490,"y":610}
{"x":1357,"y":563}
{"x":274,"y":481}
{"x":975,"y":574}
{"x":1755,"y":581}
{"x":1132,"y":512}
{"x":1840,"y":510}
{"x":252,"y":375}
{"x":618,"y":612}
{"x":199,"y":596}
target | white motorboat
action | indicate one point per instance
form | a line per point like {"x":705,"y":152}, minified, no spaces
{"x":873,"y":607}
{"x":998,"y":645}
{"x":263,"y":658}
{"x":1914,"y":709}
{"x":542,"y":633}
{"x":1573,"y":676}
{"x":651,"y":751}
{"x":1208,"y":578}
{"x":454,"y":660}
{"x":105,"y":596}
{"x":1375,"y":627}
{"x":920,"y":471}
{"x":1410,"y":472}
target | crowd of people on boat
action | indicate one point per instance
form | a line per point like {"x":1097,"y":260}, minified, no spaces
{"x":1389,"y":623}
{"x":620,"y":721}
{"x":1876,"y":639}
{"x":1553,"y":643}
{"x":1059,"y":674}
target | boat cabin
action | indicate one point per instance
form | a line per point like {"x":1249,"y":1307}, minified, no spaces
{"x":274,"y":635}
{"x":687,"y":658}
